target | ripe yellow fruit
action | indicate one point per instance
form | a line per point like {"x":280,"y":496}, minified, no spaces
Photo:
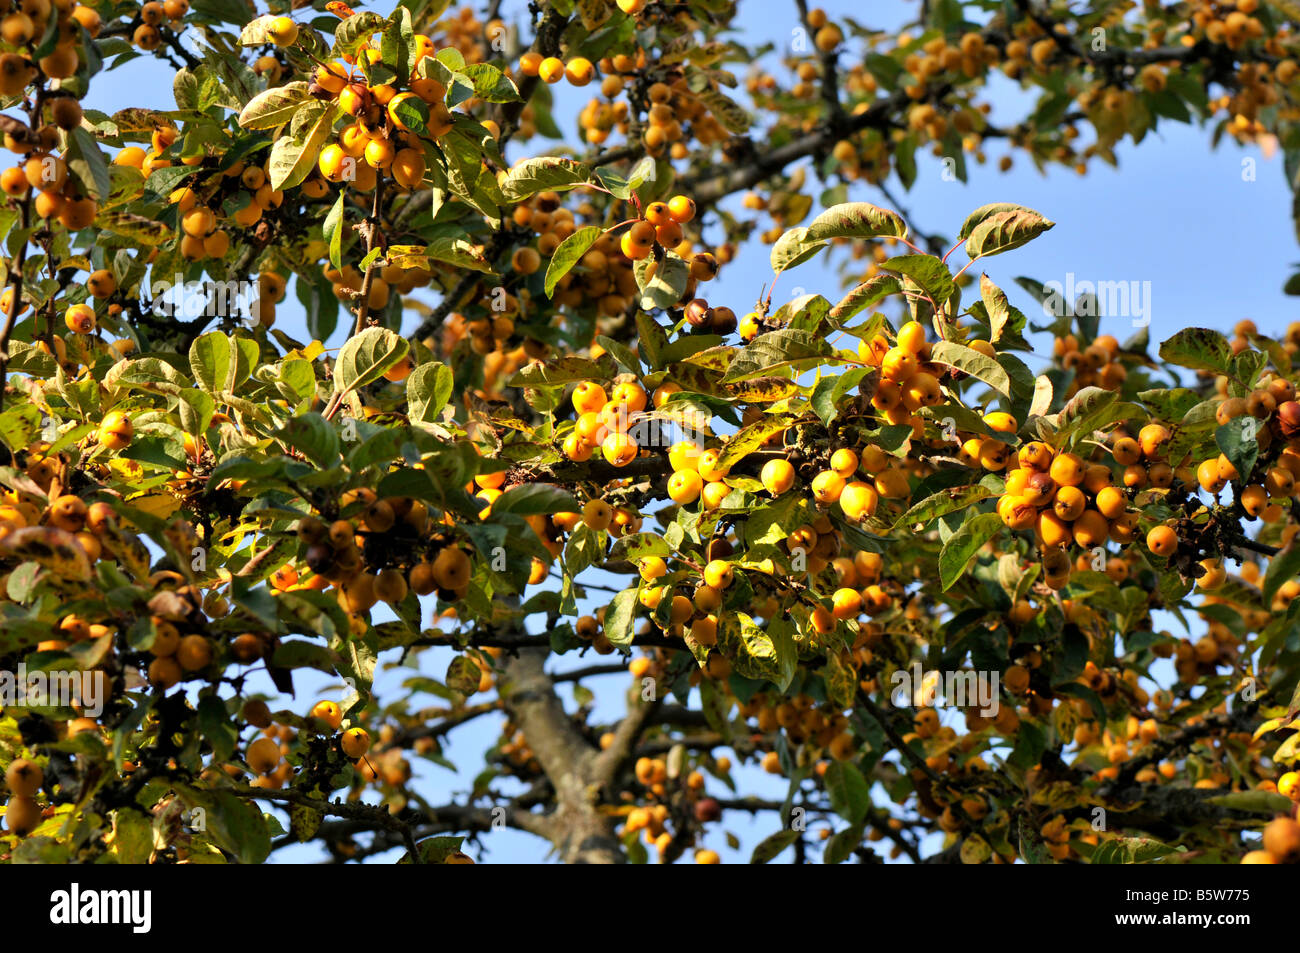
{"x":619,"y":449}
{"x":911,"y":337}
{"x":116,"y":431}
{"x":685,"y":486}
{"x":328,"y":712}
{"x":718,"y":574}
{"x":334,"y":163}
{"x":684,"y":455}
{"x":681,"y":208}
{"x":859,"y":500}
{"x":80,"y":319}
{"x":777,"y":476}
{"x":282,"y":31}
{"x":24,"y":778}
{"x":199,"y":222}
{"x":597,"y":514}
{"x":1162,"y":540}
{"x":551,"y":70}
{"x":579,"y":71}
{"x":263,"y":755}
{"x":827,"y":486}
{"x":355,"y":742}
{"x":1067,"y":469}
{"x":844,"y":462}
{"x":847,"y":603}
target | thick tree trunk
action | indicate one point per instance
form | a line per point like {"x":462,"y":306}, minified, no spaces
{"x":580,"y":833}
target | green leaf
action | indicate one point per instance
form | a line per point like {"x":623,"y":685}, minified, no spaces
{"x":413,"y":113}
{"x":940,"y":504}
{"x":1199,"y":349}
{"x":1001,"y":227}
{"x":665,"y":287}
{"x":463,"y":675}
{"x":1254,"y":802}
{"x":962,"y":546}
{"x":727,"y":112}
{"x":619,"y":618}
{"x":848,"y":790}
{"x":929,"y":273}
{"x":1005,"y":322}
{"x":366,"y":356}
{"x":1133,"y":850}
{"x":275,"y":106}
{"x":333,"y":230}
{"x":459,"y":252}
{"x":841,"y":844}
{"x":855,"y":220}
{"x":490,"y":84}
{"x":793,"y":248}
{"x":531,"y":499}
{"x":770,"y":847}
{"x":313,"y":436}
{"x":355,"y":32}
{"x":294,"y":156}
{"x":219,"y":363}
{"x":428,"y":389}
{"x":546,"y":173}
{"x":569,"y":254}
{"x":757,"y":651}
{"x":750,"y":438}
{"x":1238,"y":440}
{"x":776,"y":349}
{"x":868,"y":294}
{"x":972,"y":362}
{"x":88,"y":164}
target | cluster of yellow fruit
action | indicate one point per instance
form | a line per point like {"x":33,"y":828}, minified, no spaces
{"x":489,"y":337}
{"x":662,"y":225}
{"x":383,"y":134}
{"x":652,"y":819}
{"x":394,"y":534}
{"x":579,"y":71}
{"x":266,"y":755}
{"x":604,"y":420}
{"x":154,"y":17}
{"x":1099,"y":364}
{"x":176,"y":656}
{"x":58,"y":195}
{"x":146,"y":161}
{"x":1068,"y":501}
{"x":908,"y":381}
{"x":243,"y":185}
{"x":25,"y":25}
{"x":803,"y":721}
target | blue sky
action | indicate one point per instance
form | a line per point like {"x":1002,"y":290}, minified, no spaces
{"x":1215,"y":248}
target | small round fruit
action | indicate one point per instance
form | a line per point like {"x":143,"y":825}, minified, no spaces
{"x":777,"y":476}
{"x":282,"y":31}
{"x":681,"y":208}
{"x":263,"y":755}
{"x":24,"y":778}
{"x":355,"y":743}
{"x":1162,"y":540}
{"x":328,"y":712}
{"x":80,"y":319}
